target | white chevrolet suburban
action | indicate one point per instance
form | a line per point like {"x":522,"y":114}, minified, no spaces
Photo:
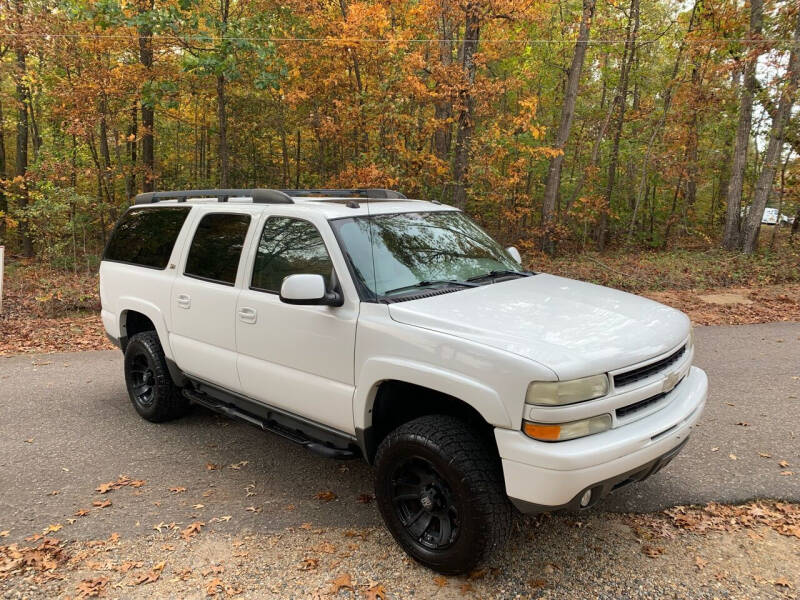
{"x":359,"y":322}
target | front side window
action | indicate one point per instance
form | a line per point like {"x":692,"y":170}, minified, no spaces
{"x":217,"y":247}
{"x":395,"y":254}
{"x":145,"y":236}
{"x":289,"y":246}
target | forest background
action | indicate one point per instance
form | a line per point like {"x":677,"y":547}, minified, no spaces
{"x":631,"y":142}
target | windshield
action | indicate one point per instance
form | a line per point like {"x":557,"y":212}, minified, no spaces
{"x":397,"y":254}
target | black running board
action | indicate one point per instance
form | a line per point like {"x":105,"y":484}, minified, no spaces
{"x":320,"y":441}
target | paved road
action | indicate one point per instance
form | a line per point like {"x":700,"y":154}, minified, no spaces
{"x":66,"y":426}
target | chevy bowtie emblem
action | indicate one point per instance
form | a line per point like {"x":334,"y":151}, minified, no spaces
{"x":670,"y":381}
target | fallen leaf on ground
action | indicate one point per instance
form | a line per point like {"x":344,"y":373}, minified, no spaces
{"x":786,"y":473}
{"x":764,"y":455}
{"x":376,"y":592}
{"x":82,"y":512}
{"x":214,"y":586}
{"x":309,"y":564}
{"x":783,"y":582}
{"x":177,"y":490}
{"x":254,"y":509}
{"x":365,"y":498}
{"x":652,"y":551}
{"x":150,"y":576}
{"x":783,"y":464}
{"x":89,"y":588}
{"x":101,"y":503}
{"x":211,"y":467}
{"x":4,"y":533}
{"x":325,"y":496}
{"x":192,"y":530}
{"x":440,"y":580}
{"x":700,"y":563}
{"x":343,"y":581}
{"x":239,"y":465}
{"x":743,"y":423}
{"x":121,"y":481}
{"x":732,"y":456}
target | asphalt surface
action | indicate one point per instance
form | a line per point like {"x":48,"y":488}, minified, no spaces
{"x":66,"y":426}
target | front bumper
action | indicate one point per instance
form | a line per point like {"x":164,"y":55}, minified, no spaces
{"x":544,"y":476}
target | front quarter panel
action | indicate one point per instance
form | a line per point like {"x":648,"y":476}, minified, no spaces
{"x":492,"y":381}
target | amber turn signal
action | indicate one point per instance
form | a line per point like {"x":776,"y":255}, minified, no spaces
{"x":542,"y":431}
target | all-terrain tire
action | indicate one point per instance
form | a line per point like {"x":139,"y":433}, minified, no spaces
{"x":150,"y":387}
{"x":468,"y":477}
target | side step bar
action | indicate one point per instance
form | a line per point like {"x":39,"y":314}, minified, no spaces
{"x":297,"y":435}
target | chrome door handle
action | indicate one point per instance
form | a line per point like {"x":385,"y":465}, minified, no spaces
{"x":184,"y":301}
{"x":247,"y":315}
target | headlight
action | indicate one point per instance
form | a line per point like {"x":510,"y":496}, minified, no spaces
{"x":558,"y":393}
{"x":559,"y":432}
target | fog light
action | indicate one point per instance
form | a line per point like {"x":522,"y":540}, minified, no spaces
{"x":587,"y":495}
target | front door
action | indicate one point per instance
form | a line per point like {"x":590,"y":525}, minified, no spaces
{"x":296,"y":358}
{"x":204,"y":294}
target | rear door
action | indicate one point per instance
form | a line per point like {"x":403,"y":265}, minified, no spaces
{"x":204,"y":295}
{"x":298,"y":358}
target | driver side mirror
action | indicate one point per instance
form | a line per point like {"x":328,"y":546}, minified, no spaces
{"x":514,"y":253}
{"x":308,"y":289}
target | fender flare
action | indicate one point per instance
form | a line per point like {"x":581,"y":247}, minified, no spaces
{"x":152,"y":312}
{"x":376,"y":370}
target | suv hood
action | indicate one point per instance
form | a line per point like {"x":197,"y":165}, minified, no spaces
{"x":574,"y":328}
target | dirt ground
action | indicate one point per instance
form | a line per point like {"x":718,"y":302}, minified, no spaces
{"x":712,"y":552}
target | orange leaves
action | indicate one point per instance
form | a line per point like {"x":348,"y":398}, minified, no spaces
{"x":122,"y":481}
{"x":192,"y":530}
{"x":325,"y":496}
{"x":92,"y":588}
{"x":101,"y":503}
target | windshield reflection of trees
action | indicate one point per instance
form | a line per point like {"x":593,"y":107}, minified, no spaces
{"x":287,"y":247}
{"x":438,"y":246}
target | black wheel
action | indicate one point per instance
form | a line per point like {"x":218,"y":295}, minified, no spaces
{"x":441,"y":493}
{"x":153,"y":394}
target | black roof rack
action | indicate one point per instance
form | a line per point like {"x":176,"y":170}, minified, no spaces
{"x":374,"y":193}
{"x":259,"y":196}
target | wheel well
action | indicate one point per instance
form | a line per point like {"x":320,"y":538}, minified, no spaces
{"x":134,"y":322}
{"x":397,"y":402}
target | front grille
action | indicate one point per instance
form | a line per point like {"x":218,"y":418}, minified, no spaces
{"x":634,"y":375}
{"x":632,"y":408}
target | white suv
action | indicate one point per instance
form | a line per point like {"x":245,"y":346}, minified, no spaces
{"x":358,"y":322}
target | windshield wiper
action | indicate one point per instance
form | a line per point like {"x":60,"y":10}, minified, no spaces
{"x":429,"y":282}
{"x":501,"y":273}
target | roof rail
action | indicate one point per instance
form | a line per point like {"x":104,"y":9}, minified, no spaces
{"x":374,"y":193}
{"x":259,"y":196}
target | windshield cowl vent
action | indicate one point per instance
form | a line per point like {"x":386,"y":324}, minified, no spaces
{"x":420,"y":295}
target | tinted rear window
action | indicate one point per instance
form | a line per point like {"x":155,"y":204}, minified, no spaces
{"x":217,"y":247}
{"x":145,"y":236}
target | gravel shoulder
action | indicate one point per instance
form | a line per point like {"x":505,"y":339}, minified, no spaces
{"x":561,"y":556}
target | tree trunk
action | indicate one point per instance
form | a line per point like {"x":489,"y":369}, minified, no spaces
{"x":3,"y":175}
{"x":443,"y":107}
{"x":148,"y":110}
{"x":466,"y":114}
{"x":641,"y":193}
{"x":772,"y":156}
{"x":553,"y":179}
{"x":21,"y":165}
{"x":730,"y":239}
{"x":621,"y":102}
{"x":130,"y":145}
{"x":222,"y":119}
